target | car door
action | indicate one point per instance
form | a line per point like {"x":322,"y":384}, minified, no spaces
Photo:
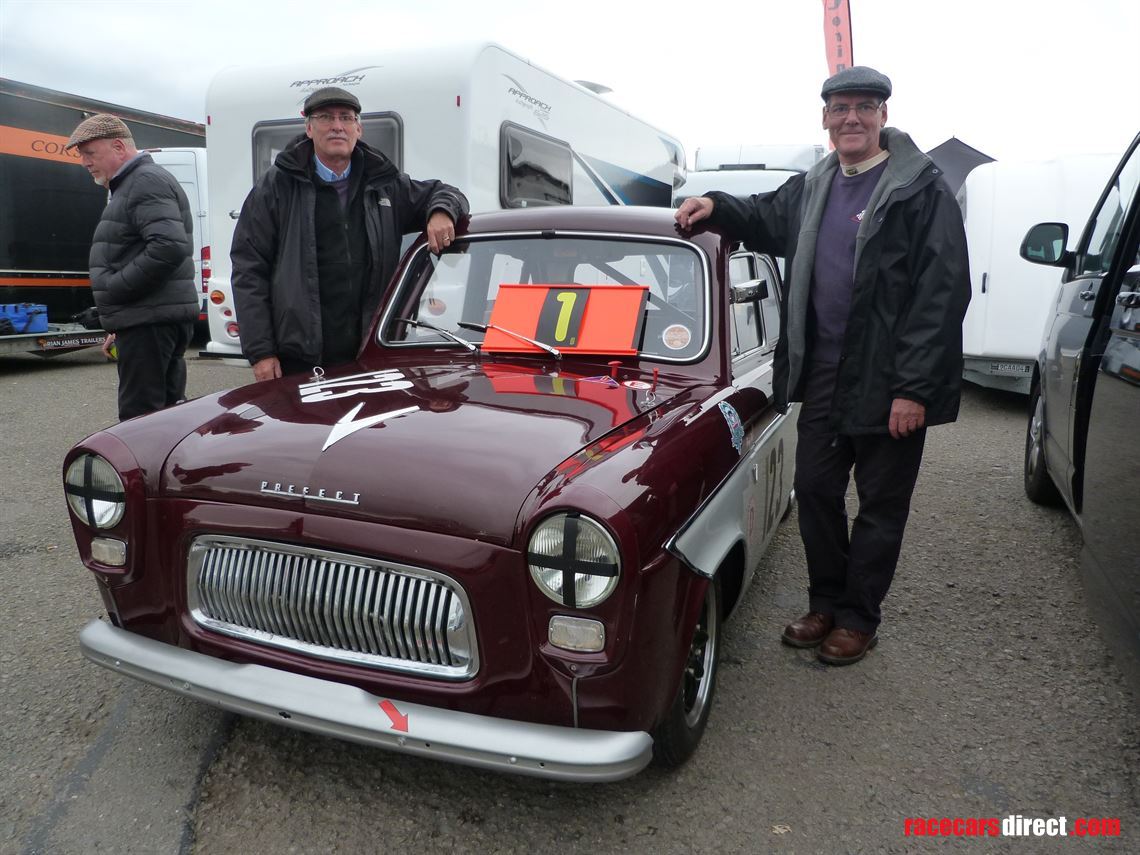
{"x":1111,"y":473}
{"x":1079,"y":304}
{"x":755,"y":329}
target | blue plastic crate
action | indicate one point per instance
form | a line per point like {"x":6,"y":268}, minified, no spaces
{"x":26,"y":317}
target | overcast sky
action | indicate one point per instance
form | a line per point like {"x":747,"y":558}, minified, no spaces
{"x":1018,"y":80}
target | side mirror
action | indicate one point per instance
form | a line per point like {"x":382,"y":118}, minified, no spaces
{"x":747,"y":292}
{"x":1045,"y":244}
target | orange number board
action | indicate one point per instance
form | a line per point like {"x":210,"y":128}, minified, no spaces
{"x":573,"y":318}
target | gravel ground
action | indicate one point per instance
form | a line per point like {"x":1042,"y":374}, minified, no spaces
{"x":991,"y":693}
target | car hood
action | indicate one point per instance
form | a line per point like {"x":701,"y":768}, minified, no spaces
{"x":454,"y":449}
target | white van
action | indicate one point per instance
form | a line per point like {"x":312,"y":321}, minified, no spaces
{"x":501,"y":129}
{"x":188,"y":165}
{"x":743,"y":170}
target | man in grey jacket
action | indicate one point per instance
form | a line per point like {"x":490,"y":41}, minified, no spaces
{"x":871,"y":343}
{"x":142,"y":275}
{"x":319,"y":237}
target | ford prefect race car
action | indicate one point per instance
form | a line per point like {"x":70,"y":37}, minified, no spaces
{"x":507,"y":535}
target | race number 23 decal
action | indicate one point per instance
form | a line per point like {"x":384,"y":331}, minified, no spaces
{"x":775,"y":486}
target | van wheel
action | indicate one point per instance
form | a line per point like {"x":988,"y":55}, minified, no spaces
{"x":678,"y":735}
{"x":1039,"y":487}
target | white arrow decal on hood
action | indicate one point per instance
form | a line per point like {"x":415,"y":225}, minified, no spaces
{"x":346,"y":424}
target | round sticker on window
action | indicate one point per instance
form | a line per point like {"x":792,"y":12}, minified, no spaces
{"x":676,"y":337}
{"x":436,"y":307}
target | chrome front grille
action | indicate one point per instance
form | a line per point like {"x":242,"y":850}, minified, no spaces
{"x":332,"y":605}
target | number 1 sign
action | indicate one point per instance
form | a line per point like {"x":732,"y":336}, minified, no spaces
{"x":605,"y":319}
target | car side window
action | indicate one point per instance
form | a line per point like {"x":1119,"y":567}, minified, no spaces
{"x":740,"y":269}
{"x":1102,"y":239}
{"x":770,"y":305}
{"x":745,"y":330}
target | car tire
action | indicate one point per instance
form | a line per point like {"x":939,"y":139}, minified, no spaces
{"x":678,"y":735}
{"x":1039,"y":487}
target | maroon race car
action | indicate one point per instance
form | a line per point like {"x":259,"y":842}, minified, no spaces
{"x":505,"y":536}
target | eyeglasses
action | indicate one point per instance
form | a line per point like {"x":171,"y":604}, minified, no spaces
{"x":329,"y":118}
{"x":864,"y":110}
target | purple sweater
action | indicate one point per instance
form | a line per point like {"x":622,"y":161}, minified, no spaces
{"x":833,"y":275}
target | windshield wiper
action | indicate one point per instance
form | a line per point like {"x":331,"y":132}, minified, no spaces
{"x":445,"y":333}
{"x":553,"y":351}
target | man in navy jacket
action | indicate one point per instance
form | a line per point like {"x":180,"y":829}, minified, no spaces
{"x":319,"y":237}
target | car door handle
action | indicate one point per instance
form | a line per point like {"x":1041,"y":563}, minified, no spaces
{"x":1088,"y":294}
{"x":1128,"y":299}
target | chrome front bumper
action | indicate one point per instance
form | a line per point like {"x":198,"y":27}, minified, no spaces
{"x":334,"y":709}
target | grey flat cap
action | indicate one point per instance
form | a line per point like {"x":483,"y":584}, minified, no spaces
{"x":328,"y":96}
{"x":858,"y":78}
{"x":101,"y":126}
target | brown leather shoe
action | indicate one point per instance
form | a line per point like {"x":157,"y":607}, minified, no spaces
{"x":846,"y":646}
{"x":808,"y":631}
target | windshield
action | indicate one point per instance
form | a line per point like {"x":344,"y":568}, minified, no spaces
{"x":463,"y":283}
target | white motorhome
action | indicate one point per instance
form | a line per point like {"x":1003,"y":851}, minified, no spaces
{"x":188,"y":165}
{"x":743,"y":170}
{"x":1011,"y":300}
{"x":501,"y":129}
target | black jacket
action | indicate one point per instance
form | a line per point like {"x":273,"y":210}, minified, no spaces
{"x":911,"y":287}
{"x":141,"y":269}
{"x":274,"y":253}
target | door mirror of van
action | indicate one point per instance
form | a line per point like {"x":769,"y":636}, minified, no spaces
{"x":1045,"y":244}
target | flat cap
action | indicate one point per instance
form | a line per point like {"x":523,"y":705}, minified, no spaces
{"x":858,"y":78}
{"x":101,"y":126}
{"x":327,"y":96}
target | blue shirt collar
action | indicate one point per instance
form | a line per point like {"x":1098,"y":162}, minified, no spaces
{"x":327,"y":174}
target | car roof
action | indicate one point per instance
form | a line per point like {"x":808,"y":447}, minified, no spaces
{"x":612,"y":218}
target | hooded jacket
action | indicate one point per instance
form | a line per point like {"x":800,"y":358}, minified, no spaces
{"x":141,"y":269}
{"x":911,"y":287}
{"x":274,"y":252}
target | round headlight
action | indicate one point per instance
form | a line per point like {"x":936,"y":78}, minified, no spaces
{"x":95,"y":492}
{"x":573,"y":560}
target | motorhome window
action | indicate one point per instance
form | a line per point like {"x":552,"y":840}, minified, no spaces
{"x":380,"y":130}
{"x":536,"y":170}
{"x":1106,"y":231}
{"x":463,"y":283}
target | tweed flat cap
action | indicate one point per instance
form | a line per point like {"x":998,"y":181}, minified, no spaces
{"x":328,"y":96}
{"x":101,"y":126}
{"x":858,"y":78}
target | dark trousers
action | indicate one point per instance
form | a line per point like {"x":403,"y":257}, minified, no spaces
{"x":289,"y":365}
{"x":849,"y":572}
{"x":152,"y":371}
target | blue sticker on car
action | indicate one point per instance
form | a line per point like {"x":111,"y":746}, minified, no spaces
{"x":735,"y":427}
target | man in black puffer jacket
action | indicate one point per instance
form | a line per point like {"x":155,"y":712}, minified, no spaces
{"x":319,"y":237}
{"x":870,"y":341}
{"x":142,"y":275}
